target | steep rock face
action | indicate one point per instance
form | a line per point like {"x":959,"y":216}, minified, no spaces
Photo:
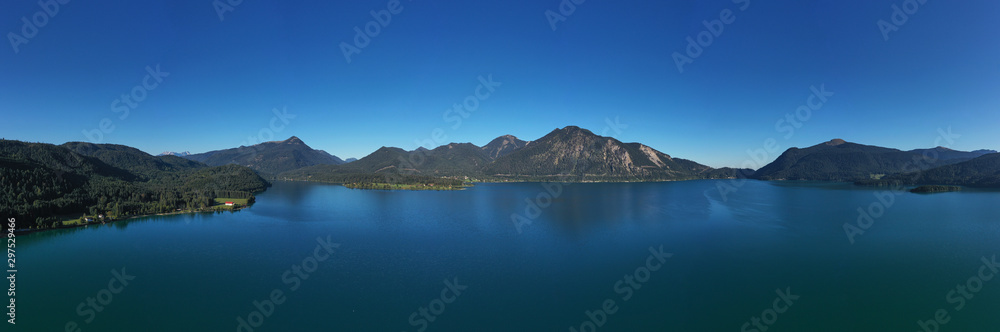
{"x":579,"y":153}
{"x":269,"y":157}
{"x":651,"y":154}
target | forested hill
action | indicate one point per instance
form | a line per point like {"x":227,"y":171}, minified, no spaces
{"x":979,"y":172}
{"x":269,"y":158}
{"x":41,"y":184}
{"x":838,"y":160}
{"x":132,"y":159}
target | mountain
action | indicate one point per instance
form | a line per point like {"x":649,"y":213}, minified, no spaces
{"x":983,"y":171}
{"x":42,"y":183}
{"x":132,"y":159}
{"x":58,"y":161}
{"x":350,"y":160}
{"x":179,"y":154}
{"x":270,"y":158}
{"x":573,"y":153}
{"x":502,"y":146}
{"x":567,"y":154}
{"x":952,"y":156}
{"x":452,"y":160}
{"x":455,"y":159}
{"x":838,"y":160}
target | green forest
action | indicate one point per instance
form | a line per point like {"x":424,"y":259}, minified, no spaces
{"x":44,"y":185}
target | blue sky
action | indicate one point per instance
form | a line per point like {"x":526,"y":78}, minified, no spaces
{"x":606,"y":61}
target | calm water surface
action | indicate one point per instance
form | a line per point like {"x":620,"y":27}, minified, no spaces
{"x":590,"y":246}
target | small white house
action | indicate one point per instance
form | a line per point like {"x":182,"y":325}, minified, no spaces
{"x":230,"y":203}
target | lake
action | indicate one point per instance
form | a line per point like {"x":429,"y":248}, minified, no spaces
{"x":673,"y":256}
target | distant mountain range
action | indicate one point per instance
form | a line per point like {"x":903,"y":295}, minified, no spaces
{"x":577,"y":154}
{"x":269,"y":158}
{"x":566,"y":154}
{"x":170,"y":153}
{"x":42,"y":181}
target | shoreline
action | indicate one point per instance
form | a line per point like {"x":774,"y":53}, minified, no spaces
{"x":32,"y":230}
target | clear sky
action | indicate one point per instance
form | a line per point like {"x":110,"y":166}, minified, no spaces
{"x":606,"y":60}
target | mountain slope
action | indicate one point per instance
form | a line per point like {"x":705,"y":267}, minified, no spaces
{"x":269,"y":157}
{"x":132,"y":159}
{"x":502,"y":146}
{"x":455,"y":159}
{"x":983,"y":171}
{"x":452,"y":160}
{"x":572,"y":153}
{"x":838,"y":160}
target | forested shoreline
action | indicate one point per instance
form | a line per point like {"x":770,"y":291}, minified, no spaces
{"x":44,"y":185}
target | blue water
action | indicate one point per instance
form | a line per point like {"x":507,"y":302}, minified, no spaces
{"x":395,"y":250}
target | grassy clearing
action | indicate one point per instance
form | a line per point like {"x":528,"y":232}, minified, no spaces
{"x":220,"y":203}
{"x":71,"y":222}
{"x":241,"y":201}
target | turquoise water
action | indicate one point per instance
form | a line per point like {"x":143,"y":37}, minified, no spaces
{"x":588,"y":248}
